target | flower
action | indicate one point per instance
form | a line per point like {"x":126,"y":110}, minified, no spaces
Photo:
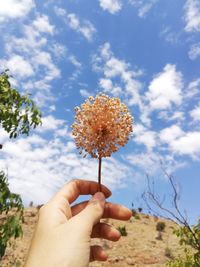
{"x":102,"y":125}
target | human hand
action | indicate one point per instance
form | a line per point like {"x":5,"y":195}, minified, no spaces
{"x":63,"y":233}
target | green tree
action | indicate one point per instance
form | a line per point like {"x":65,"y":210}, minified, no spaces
{"x":11,"y":214}
{"x":18,"y":113}
{"x":191,"y":242}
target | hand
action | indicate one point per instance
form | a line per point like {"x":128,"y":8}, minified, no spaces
{"x":63,"y":233}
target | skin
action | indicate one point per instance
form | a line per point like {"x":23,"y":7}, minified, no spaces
{"x":63,"y":234}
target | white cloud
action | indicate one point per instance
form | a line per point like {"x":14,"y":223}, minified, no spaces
{"x":115,"y":67}
{"x":150,"y":163}
{"x":147,"y":162}
{"x":117,"y":74}
{"x":30,"y":41}
{"x":142,"y":6}
{"x":13,"y":9}
{"x":165,"y":89}
{"x":85,"y":27}
{"x":189,"y":144}
{"x":145,"y":9}
{"x":78,"y":68}
{"x":106,"y":52}
{"x":180,"y":142}
{"x":192,"y":15}
{"x":33,"y":37}
{"x":170,"y":35}
{"x":144,"y":136}
{"x":168,"y":135}
{"x":42,"y":98}
{"x":171,"y":116}
{"x":112,"y":6}
{"x":36,"y":140}
{"x":74,"y":61}
{"x":37,"y":167}
{"x":136,"y":2}
{"x":108,"y":87}
{"x":18,"y":66}
{"x":85,"y":93}
{"x":194,"y":51}
{"x":195,"y":113}
{"x":42,"y":25}
{"x":60,"y":11}
{"x":106,"y":84}
{"x":73,"y":21}
{"x":58,"y":50}
{"x":193,"y":88}
{"x":43,"y":58}
{"x":32,"y":56}
{"x":88,"y":30}
{"x":50,"y":123}
{"x":145,"y":115}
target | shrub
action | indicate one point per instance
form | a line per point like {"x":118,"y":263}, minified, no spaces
{"x":14,"y":261}
{"x":168,"y":253}
{"x":190,"y":239}
{"x":188,"y":260}
{"x":160,"y":226}
{"x":140,"y":209}
{"x":31,"y":204}
{"x":134,"y":212}
{"x":122,"y":230}
{"x":159,"y":236}
{"x":38,"y":207}
{"x":137,"y":217}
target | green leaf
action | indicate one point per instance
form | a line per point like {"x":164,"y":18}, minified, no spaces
{"x":11,"y":106}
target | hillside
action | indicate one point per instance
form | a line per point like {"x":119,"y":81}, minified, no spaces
{"x":139,"y":248}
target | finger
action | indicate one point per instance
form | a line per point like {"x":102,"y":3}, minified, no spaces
{"x":111,"y":210}
{"x":106,"y":231}
{"x":92,"y":213}
{"x":116,"y":211}
{"x":97,"y":254}
{"x":72,"y":190}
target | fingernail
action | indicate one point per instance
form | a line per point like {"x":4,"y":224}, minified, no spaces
{"x":99,"y":196}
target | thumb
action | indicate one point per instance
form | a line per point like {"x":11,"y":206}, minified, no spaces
{"x":93,"y":211}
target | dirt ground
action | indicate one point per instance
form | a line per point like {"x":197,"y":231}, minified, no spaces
{"x":141,"y":247}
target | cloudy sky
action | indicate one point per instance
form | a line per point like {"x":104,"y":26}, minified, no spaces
{"x":147,"y":52}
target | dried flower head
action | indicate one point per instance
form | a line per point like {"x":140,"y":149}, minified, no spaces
{"x":102,"y":125}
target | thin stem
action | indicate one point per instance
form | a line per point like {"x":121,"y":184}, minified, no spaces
{"x":99,"y":175}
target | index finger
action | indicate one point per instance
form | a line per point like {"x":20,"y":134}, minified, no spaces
{"x":72,"y":190}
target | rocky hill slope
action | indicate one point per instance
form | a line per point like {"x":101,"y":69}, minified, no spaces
{"x":141,"y":247}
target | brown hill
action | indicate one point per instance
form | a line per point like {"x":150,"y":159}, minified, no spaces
{"x":141,"y":247}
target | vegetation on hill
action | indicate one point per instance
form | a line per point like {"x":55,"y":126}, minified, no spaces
{"x":12,"y":208}
{"x":18,"y":115}
{"x":189,"y":236}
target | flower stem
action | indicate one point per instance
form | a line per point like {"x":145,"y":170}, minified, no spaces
{"x":99,"y":175}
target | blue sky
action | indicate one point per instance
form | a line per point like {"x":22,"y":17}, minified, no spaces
{"x":145,"y":52}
